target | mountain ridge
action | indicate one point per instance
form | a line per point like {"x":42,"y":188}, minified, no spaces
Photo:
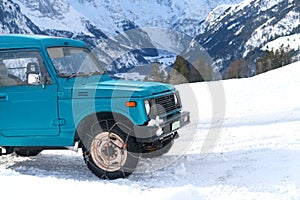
{"x":242,"y":30}
{"x":227,"y":29}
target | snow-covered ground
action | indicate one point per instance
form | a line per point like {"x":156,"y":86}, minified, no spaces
{"x":291,"y":41}
{"x":253,"y":123}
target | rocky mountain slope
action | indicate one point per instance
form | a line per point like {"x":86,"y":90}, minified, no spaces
{"x":100,"y":23}
{"x":129,"y":32}
{"x":243,"y":29}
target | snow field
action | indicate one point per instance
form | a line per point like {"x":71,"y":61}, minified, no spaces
{"x":255,"y":155}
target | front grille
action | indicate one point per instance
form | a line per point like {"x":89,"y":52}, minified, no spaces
{"x":166,"y":104}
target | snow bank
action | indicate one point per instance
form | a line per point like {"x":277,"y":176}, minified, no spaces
{"x":266,"y":98}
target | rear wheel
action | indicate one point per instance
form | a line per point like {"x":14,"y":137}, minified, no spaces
{"x":111,"y":151}
{"x":27,"y":152}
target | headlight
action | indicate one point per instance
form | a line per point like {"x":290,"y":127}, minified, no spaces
{"x":147,"y":106}
{"x":175,"y":99}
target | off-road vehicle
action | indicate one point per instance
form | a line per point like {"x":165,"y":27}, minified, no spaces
{"x":54,"y":94}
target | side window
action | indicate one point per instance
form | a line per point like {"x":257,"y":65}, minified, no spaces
{"x":15,"y":66}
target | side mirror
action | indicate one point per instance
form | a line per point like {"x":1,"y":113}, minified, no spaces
{"x":34,"y":79}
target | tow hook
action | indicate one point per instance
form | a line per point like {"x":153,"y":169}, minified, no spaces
{"x":173,"y":136}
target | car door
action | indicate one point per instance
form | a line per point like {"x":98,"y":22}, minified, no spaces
{"x":26,"y":109}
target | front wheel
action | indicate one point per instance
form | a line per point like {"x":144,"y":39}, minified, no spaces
{"x":112,"y":153}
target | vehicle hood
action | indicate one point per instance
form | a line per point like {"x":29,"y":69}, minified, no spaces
{"x":120,"y":88}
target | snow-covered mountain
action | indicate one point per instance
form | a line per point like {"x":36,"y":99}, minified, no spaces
{"x":293,"y":41}
{"x":243,"y":29}
{"x":170,"y":24}
{"x":60,"y":18}
{"x":128,"y":32}
{"x":180,"y":15}
{"x":120,"y":15}
{"x":99,"y":21}
{"x":13,"y":21}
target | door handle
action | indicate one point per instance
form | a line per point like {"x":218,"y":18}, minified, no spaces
{"x":3,"y":97}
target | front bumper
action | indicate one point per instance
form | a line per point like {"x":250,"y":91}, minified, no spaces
{"x":147,"y":134}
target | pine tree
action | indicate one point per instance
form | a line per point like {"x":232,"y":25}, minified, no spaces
{"x":180,"y":72}
{"x":156,"y":74}
{"x":201,"y":70}
{"x":238,"y":69}
{"x":181,"y":66}
{"x":233,"y":71}
{"x":259,"y":67}
{"x":274,"y":59}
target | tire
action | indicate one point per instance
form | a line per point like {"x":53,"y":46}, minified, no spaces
{"x":27,"y":152}
{"x":111,"y":153}
{"x":152,"y":152}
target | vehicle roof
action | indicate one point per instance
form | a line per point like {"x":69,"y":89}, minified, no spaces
{"x":8,"y":41}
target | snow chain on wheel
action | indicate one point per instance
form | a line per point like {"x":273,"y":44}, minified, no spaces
{"x":112,"y":151}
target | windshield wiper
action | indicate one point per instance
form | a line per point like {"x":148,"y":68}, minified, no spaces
{"x":80,"y":74}
{"x":95,"y":73}
{"x":75,"y":75}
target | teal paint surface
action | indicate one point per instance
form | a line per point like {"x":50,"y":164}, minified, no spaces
{"x":36,"y":115}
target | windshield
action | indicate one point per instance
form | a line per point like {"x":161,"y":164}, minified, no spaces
{"x":72,"y":61}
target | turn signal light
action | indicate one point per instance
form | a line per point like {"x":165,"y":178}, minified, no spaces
{"x":131,"y":104}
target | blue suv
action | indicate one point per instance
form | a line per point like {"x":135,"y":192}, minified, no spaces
{"x":54,"y":94}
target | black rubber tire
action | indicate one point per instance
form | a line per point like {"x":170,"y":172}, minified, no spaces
{"x":167,"y":145}
{"x":132,"y":150}
{"x":27,"y":153}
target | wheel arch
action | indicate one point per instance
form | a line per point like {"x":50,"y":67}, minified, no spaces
{"x":85,"y":124}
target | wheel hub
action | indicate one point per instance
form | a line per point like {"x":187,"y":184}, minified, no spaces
{"x":108,"y":151}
